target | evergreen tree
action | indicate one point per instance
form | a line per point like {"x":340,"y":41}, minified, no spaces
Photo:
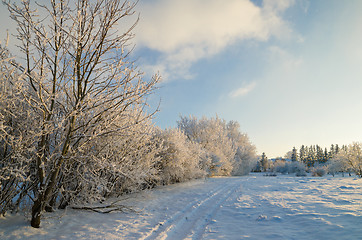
{"x":311,"y":157}
{"x":320,"y":154}
{"x":336,"y":150}
{"x":264,"y":162}
{"x":302,"y":154}
{"x":331,"y":150}
{"x":294,"y":155}
{"x":326,"y":155}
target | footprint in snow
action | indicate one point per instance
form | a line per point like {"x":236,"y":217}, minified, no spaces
{"x":262,"y":218}
{"x":276,"y":219}
{"x":344,"y":187}
{"x":265,"y":218}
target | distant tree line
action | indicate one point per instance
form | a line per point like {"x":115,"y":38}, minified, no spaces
{"x":315,"y":154}
{"x":318,"y":161}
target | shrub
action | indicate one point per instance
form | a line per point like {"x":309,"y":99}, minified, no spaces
{"x":319,"y":171}
{"x":301,"y":174}
{"x":296,"y":167}
{"x":281,"y":167}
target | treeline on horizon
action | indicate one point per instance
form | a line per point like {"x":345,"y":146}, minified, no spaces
{"x":314,"y":154}
{"x":316,"y":160}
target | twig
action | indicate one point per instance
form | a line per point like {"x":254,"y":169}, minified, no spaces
{"x":107,"y":208}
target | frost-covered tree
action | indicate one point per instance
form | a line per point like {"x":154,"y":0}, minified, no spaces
{"x":288,"y":155}
{"x":348,"y":158}
{"x":121,"y":162}
{"x":354,"y":158}
{"x":16,"y":136}
{"x":211,"y":134}
{"x":245,"y":156}
{"x":179,"y":159}
{"x":338,"y":163}
{"x":229,"y":151}
{"x":78,"y":81}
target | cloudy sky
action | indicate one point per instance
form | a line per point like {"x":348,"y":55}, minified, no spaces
{"x":290,"y":72}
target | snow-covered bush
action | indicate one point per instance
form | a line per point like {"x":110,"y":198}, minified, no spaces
{"x":318,"y":171}
{"x":180,"y":159}
{"x":285,"y":167}
{"x":338,"y":164}
{"x":118,"y":163}
{"x":298,"y":168}
{"x":229,"y":151}
{"x":281,"y":167}
{"x":348,"y":159}
{"x":301,"y":174}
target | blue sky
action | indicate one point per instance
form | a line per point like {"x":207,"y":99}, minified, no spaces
{"x":288,"y":71}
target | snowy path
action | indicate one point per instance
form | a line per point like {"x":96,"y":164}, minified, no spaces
{"x":191,"y":221}
{"x":251,"y":207}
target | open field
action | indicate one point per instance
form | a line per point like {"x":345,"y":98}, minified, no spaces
{"x":249,"y":207}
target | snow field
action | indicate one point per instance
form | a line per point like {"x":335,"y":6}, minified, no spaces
{"x":250,"y":207}
{"x":292,"y":208}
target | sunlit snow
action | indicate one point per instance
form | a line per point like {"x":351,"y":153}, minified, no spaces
{"x":250,"y":207}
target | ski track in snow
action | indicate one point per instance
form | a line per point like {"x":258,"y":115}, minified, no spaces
{"x":249,"y":207}
{"x":191,"y":221}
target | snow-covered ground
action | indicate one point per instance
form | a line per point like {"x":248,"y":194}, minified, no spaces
{"x":250,"y":207}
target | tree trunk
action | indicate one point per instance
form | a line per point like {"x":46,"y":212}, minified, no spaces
{"x":36,"y":212}
{"x":43,"y":198}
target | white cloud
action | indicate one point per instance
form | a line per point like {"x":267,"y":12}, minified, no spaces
{"x":243,"y":90}
{"x":185,"y":31}
{"x":278,"y":5}
{"x":283,"y":63}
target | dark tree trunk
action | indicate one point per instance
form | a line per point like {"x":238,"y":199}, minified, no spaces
{"x":36,"y":212}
